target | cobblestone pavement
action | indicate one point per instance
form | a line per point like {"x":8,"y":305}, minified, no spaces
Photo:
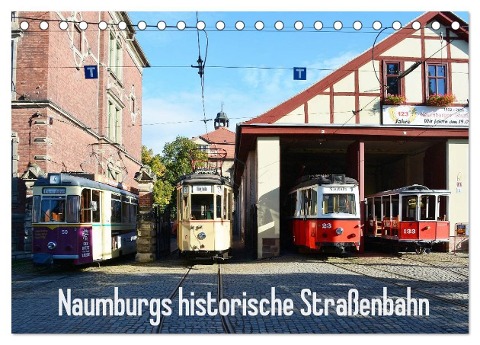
{"x":296,"y":285}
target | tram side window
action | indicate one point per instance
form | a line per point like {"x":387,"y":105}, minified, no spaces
{"x":36,"y":209}
{"x":386,"y":206}
{"x":378,"y":207}
{"x":427,"y":207}
{"x":409,"y":207}
{"x":73,"y":208}
{"x":395,"y":210}
{"x":308,"y":201}
{"x":125,"y":209}
{"x":226,"y":204}
{"x":86,"y":214}
{"x":185,"y":212}
{"x":202,"y":206}
{"x":96,"y":200}
{"x":443,"y":207}
{"x":116,"y":205}
{"x":90,"y":206}
{"x":218,"y":206}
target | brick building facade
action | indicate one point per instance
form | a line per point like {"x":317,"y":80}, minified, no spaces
{"x":64,"y":122}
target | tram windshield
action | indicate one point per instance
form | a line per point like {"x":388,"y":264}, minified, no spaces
{"x":339,"y":203}
{"x":202,"y":206}
{"x":55,"y":209}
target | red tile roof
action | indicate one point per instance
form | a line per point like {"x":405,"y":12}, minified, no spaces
{"x":221,"y":138}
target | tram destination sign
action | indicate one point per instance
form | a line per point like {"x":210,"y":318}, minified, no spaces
{"x":406,"y":115}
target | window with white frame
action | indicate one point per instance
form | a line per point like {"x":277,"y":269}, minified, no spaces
{"x":114,"y":122}
{"x":115,"y":56}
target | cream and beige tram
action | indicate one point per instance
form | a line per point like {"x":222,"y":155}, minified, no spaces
{"x":204,"y":216}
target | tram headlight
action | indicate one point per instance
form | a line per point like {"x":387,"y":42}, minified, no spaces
{"x":201,"y":236}
{"x":339,"y":231}
{"x":51,"y":245}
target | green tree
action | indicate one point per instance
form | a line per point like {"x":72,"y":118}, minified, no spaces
{"x":162,"y":190}
{"x":178,"y":157}
{"x":176,"y":160}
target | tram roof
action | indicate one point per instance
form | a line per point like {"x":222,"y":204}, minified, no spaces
{"x":412,"y":189}
{"x":310,"y":180}
{"x":202,"y":178}
{"x":73,"y":180}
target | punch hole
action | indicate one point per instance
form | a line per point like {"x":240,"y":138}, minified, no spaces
{"x":43,"y":25}
{"x":318,"y":25}
{"x":141,"y":25}
{"x":83,"y":25}
{"x":63,"y":25}
{"x":338,"y":25}
{"x":279,"y":25}
{"x":102,"y":25}
{"x":298,"y":25}
{"x":259,"y":25}
{"x":122,"y":25}
{"x":396,"y":25}
{"x":416,"y":25}
{"x":357,"y":25}
{"x":220,"y":25}
{"x":435,"y":25}
{"x":181,"y":25}
{"x":161,"y":25}
{"x":239,"y":25}
{"x":455,"y":25}
{"x":377,"y":25}
{"x":201,"y":25}
{"x":24,"y":25}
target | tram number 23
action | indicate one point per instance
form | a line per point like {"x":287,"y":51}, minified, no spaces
{"x":326,"y":225}
{"x":409,"y":231}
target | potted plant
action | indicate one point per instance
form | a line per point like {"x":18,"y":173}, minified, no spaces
{"x":440,"y":100}
{"x":394,"y":99}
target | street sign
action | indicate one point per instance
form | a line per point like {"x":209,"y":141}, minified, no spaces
{"x":299,"y":73}
{"x":91,"y":72}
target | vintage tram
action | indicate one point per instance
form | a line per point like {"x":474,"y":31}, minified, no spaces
{"x":408,"y":218}
{"x":76,"y":219}
{"x":324,"y":214}
{"x":204,"y":215}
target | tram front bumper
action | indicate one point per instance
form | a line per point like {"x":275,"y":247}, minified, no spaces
{"x":42,"y":259}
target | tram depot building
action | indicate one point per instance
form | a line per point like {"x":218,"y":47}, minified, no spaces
{"x":347,"y":123}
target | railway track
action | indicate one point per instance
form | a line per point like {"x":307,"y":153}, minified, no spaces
{"x":225,"y":322}
{"x":449,"y":269}
{"x":349,"y":268}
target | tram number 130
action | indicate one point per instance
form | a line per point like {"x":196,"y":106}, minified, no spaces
{"x":409,"y":231}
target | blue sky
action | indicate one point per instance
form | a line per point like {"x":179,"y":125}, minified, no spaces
{"x":249,"y":70}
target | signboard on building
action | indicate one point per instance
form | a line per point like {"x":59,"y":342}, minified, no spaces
{"x":91,"y":72}
{"x":299,"y":73}
{"x":406,"y":115}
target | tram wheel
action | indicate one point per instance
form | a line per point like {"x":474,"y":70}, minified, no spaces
{"x":420,"y":250}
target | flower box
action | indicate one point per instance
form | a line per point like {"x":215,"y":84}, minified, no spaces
{"x":440,"y":100}
{"x":394,"y":99}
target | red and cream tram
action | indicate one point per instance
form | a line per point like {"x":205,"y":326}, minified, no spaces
{"x":80,"y":220}
{"x":413,"y":217}
{"x":325,"y":214}
{"x":204,"y":215}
